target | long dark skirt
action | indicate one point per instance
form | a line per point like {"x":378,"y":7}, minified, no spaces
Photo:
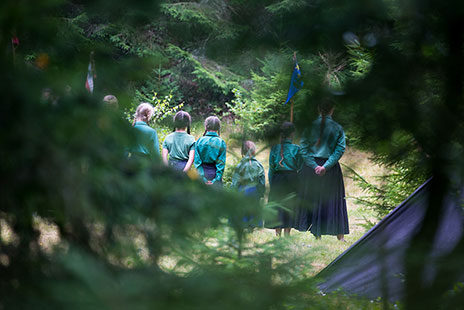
{"x":323,"y":201}
{"x":283,"y":185}
{"x":178,"y":164}
{"x":210,"y":172}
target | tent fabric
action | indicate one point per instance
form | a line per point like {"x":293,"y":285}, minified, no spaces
{"x":374,"y":265}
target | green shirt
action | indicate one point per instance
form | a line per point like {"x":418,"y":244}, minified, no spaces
{"x":179,"y":144}
{"x":146,"y":140}
{"x":210,"y":149}
{"x":292,"y":158}
{"x":249,"y":172}
{"x":332,"y":145}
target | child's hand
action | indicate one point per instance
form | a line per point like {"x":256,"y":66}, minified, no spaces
{"x":209,"y":183}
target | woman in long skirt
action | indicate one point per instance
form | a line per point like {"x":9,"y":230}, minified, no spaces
{"x":323,"y":190}
{"x":284,"y":162}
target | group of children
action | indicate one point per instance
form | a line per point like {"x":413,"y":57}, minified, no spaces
{"x":305,"y":181}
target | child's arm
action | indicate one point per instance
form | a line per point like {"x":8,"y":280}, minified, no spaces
{"x":220,"y":163}
{"x":164,"y":154}
{"x":190,"y":160}
{"x":236,"y":177}
{"x":198,"y":162}
{"x":271,"y":166}
{"x":262,"y":181}
{"x":156,"y":147}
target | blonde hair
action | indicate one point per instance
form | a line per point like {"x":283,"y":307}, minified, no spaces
{"x":144,"y":112}
{"x":248,"y":148}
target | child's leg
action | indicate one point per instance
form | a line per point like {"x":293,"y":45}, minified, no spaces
{"x":287,"y":231}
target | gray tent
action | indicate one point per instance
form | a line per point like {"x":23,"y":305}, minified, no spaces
{"x":375,"y":263}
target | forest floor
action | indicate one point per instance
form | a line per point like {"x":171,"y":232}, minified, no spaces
{"x":304,"y":244}
{"x":301,"y":244}
{"x":325,"y":250}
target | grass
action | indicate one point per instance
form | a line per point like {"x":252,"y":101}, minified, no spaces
{"x":328,"y":248}
{"x":301,"y":244}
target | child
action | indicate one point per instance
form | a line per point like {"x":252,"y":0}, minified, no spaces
{"x":146,"y":137}
{"x":322,"y":146}
{"x":179,"y":144}
{"x":249,"y":175}
{"x":111,"y":102}
{"x":210,"y":153}
{"x":284,"y":163}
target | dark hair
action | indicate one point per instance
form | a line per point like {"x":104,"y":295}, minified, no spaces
{"x":182,"y":120}
{"x":325,"y":107}
{"x":212,"y":123}
{"x":286,"y":130}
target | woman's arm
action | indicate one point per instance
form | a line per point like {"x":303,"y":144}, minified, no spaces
{"x":308,"y":158}
{"x":338,"y":151}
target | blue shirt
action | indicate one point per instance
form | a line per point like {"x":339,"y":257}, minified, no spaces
{"x":249,"y":173}
{"x":146,"y":140}
{"x":332,"y":144}
{"x":210,"y":149}
{"x":292,"y":160}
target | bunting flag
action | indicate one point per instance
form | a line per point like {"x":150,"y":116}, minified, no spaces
{"x":296,"y":82}
{"x":15,"y":41}
{"x":14,"y":46}
{"x":89,"y":82}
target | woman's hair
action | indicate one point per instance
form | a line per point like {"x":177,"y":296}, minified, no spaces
{"x":286,"y":130}
{"x":212,"y":123}
{"x":248,"y":148}
{"x":325,"y":107}
{"x":182,"y":120}
{"x":144,"y":112}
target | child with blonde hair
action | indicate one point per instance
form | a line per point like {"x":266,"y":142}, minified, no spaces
{"x":249,"y":177}
{"x":146,"y":137}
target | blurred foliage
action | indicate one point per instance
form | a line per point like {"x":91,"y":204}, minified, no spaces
{"x":130,"y":234}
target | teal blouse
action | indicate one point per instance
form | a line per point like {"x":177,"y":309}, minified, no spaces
{"x":331,"y":147}
{"x":292,"y":158}
{"x":249,"y":172}
{"x":179,"y":144}
{"x":210,"y":149}
{"x":146,"y":140}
